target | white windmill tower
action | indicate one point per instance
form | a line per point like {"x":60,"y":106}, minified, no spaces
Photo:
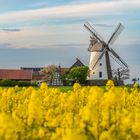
{"x":99,"y":65}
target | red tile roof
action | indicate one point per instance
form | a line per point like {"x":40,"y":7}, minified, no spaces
{"x":15,"y":74}
{"x":63,"y":70}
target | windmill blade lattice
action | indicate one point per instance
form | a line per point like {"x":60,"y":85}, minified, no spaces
{"x":116,"y":33}
{"x":93,"y":32}
{"x":118,"y":57}
{"x":97,"y":34}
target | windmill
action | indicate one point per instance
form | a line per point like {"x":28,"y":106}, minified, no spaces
{"x":99,"y":65}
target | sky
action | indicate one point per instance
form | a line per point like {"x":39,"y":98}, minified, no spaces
{"x":36,"y":33}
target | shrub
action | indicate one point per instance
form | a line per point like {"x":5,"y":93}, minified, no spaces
{"x":77,"y":74}
{"x":10,"y":83}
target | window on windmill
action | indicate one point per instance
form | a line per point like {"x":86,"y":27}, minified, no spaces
{"x":94,"y":72}
{"x":100,"y":64}
{"x":100,"y":74}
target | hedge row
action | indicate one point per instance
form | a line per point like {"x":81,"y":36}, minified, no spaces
{"x":102,"y":82}
{"x":9,"y":83}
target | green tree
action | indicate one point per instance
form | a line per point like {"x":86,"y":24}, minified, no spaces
{"x":49,"y":73}
{"x":78,"y":74}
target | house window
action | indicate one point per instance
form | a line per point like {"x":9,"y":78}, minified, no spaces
{"x":100,"y":74}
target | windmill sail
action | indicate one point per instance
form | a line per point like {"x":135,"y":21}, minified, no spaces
{"x":116,"y":33}
{"x":118,"y":57}
{"x":93,"y":32}
{"x":97,"y":34}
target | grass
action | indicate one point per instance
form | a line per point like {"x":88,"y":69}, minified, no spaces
{"x":62,"y":88}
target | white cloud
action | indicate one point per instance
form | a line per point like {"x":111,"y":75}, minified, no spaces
{"x":73,"y":10}
{"x":47,"y":36}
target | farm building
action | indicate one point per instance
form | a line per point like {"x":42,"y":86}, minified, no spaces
{"x":78,"y":63}
{"x":39,"y":76}
{"x":35,"y":74}
{"x":60,"y":71}
{"x":17,"y":75}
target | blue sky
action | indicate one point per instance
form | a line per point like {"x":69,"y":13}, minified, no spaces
{"x":51,"y":32}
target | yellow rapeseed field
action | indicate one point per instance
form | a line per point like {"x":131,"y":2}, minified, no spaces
{"x":84,"y":113}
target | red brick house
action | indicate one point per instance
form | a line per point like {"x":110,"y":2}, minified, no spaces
{"x":17,"y":75}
